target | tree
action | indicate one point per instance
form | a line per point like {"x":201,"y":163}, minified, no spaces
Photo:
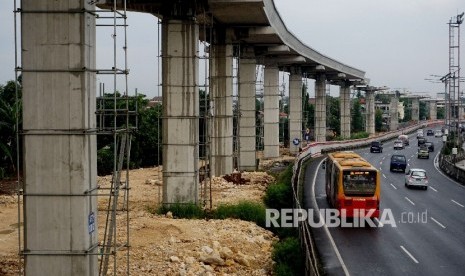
{"x":10,"y":115}
{"x":378,"y":120}
{"x":423,"y":111}
{"x":333,"y":114}
{"x":357,"y":117}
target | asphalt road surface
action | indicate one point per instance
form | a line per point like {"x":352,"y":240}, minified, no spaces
{"x":428,"y":237}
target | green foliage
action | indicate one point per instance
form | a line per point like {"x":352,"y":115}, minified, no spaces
{"x":146,"y":144}
{"x":440,"y":113}
{"x":105,"y":162}
{"x":10,"y":113}
{"x":359,"y":135}
{"x":288,"y":257}
{"x":334,"y":114}
{"x":278,"y":196}
{"x":423,"y":112}
{"x":182,"y":210}
{"x":357,"y":118}
{"x":244,"y":210}
{"x":378,"y":120}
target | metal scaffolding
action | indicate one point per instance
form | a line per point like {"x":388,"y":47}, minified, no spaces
{"x":116,"y":118}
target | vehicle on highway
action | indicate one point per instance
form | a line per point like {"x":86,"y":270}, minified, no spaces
{"x":429,"y":132}
{"x":398,"y":144}
{"x":423,"y":152}
{"x":404,"y":138}
{"x":398,"y":163}
{"x":421,"y":141}
{"x":416,"y":178}
{"x":420,"y":135}
{"x":438,"y":133}
{"x":352,"y":184}
{"x":429,"y":146}
{"x":376,"y":146}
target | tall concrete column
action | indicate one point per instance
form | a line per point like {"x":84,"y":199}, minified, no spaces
{"x":416,"y":109}
{"x":433,"y":112}
{"x":344,"y":107}
{"x":247,"y":110}
{"x":59,"y":157}
{"x":320,"y":108}
{"x":271,"y":112}
{"x":180,"y":110}
{"x":370,"y":112}
{"x":295,"y":108}
{"x":221,"y":87}
{"x":393,"y":113}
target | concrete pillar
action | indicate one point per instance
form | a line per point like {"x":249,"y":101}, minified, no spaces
{"x":221,"y":87}
{"x":416,"y":109}
{"x":295,"y":109}
{"x":271,"y":112}
{"x":370,"y":112}
{"x":320,"y":108}
{"x":180,"y":110}
{"x":433,"y":113}
{"x":247,"y":108}
{"x":393,"y":113}
{"x":344,"y":107}
{"x":59,"y":157}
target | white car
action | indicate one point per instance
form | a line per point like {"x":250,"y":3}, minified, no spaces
{"x":416,"y":178}
{"x":398,"y":144}
{"x":438,"y":133}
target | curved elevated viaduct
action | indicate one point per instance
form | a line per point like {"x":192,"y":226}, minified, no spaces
{"x":59,"y":90}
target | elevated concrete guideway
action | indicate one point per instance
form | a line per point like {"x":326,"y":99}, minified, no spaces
{"x":256,"y":23}
{"x":253,"y":32}
{"x":58,"y":56}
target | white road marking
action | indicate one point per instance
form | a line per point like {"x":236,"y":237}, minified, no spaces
{"x":409,"y":200}
{"x":438,"y":223}
{"x":457,"y":203}
{"x":433,"y":189}
{"x":395,"y":188}
{"x":333,"y":244}
{"x":408,"y":253}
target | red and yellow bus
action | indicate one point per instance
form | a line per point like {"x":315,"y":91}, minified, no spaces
{"x":352,"y":184}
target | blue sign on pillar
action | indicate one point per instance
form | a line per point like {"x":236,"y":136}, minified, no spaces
{"x":296,"y":141}
{"x":91,"y":223}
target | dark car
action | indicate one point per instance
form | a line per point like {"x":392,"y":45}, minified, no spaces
{"x":422,"y":141}
{"x":398,"y":163}
{"x":430,"y":146}
{"x":429,"y":132}
{"x":376,"y":146}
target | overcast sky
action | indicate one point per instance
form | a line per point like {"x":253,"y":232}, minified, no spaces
{"x":398,"y":43}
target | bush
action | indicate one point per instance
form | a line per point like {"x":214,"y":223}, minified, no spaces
{"x":278,"y":196}
{"x":182,"y":210}
{"x":359,"y":135}
{"x":288,"y":257}
{"x":105,"y":161}
{"x":244,"y":210}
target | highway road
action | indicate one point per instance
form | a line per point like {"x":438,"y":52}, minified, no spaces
{"x":429,"y":233}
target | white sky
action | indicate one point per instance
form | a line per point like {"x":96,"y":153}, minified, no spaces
{"x":398,"y":43}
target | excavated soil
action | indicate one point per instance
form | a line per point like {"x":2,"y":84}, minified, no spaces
{"x":163,"y":245}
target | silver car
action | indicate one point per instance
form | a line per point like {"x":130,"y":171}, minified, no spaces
{"x":398,"y":144}
{"x":416,"y":178}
